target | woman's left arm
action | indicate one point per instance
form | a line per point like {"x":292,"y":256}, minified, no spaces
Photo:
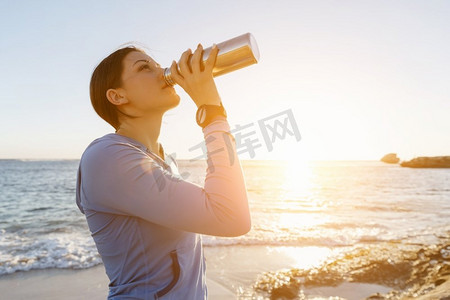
{"x":121,"y":179}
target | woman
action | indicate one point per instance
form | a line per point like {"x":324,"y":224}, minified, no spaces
{"x":145,"y":219}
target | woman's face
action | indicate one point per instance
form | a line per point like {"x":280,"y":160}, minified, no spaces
{"x":143,"y":85}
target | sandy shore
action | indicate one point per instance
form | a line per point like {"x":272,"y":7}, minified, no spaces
{"x":231,"y":272}
{"x":73,"y":284}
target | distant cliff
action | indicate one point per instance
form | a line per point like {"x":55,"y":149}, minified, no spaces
{"x":390,"y":158}
{"x":427,"y":162}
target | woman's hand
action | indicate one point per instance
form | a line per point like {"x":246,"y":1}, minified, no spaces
{"x":197,"y":80}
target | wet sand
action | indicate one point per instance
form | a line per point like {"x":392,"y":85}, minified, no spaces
{"x":73,"y":284}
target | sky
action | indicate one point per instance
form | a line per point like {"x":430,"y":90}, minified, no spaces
{"x":358,"y":79}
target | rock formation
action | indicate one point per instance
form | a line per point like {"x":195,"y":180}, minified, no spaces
{"x":427,"y":162}
{"x":390,"y":158}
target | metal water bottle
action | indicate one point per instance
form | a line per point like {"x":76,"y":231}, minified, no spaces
{"x":234,"y":54}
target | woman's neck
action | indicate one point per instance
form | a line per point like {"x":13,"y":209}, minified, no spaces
{"x":145,"y":131}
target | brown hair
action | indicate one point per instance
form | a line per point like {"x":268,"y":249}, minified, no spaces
{"x":107,"y":75}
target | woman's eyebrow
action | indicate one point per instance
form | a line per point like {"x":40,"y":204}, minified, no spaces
{"x":145,"y":60}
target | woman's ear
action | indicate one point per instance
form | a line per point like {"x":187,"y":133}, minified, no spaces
{"x":116,"y":97}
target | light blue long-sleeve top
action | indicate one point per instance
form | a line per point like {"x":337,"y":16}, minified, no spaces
{"x":147,"y":221}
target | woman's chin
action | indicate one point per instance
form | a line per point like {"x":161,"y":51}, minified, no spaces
{"x":173,"y":101}
{"x":177,"y":99}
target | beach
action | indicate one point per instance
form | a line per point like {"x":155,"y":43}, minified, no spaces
{"x":231,"y":272}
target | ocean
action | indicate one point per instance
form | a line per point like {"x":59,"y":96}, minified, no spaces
{"x":353,"y":213}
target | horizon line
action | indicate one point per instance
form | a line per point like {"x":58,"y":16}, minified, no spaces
{"x":190,"y":159}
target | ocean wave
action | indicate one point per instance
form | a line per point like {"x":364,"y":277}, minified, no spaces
{"x":77,"y":250}
{"x":299,"y":241}
{"x":383,"y":208}
{"x":39,"y":209}
{"x":18,"y":253}
{"x":348,"y":225}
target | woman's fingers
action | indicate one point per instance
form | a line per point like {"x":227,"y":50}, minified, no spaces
{"x":185,"y":67}
{"x":197,"y":59}
{"x":176,"y":76}
{"x":193,"y":65}
{"x":211,"y":61}
{"x":198,"y":84}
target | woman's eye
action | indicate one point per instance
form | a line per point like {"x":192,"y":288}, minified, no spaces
{"x":144,"y":67}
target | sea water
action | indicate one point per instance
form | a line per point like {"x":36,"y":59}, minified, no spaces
{"x":344,"y":205}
